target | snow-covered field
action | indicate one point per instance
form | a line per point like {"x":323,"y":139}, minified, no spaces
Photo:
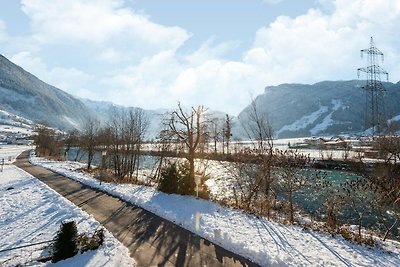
{"x":10,"y":152}
{"x":265,"y":242}
{"x":31,"y":212}
{"x":15,"y":129}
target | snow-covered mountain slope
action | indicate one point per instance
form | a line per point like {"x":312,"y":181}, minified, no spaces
{"x":12,"y":126}
{"x":104,"y":111}
{"x":7,"y":118}
{"x":324,"y":108}
{"x":23,"y":94}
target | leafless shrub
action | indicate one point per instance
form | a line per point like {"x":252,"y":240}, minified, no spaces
{"x":253,"y":187}
{"x":294,"y":174}
{"x":358,"y":197}
{"x":385,"y":185}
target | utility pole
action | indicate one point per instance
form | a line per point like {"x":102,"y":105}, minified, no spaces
{"x":374,"y":89}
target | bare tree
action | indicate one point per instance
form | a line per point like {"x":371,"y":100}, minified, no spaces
{"x":227,"y":133}
{"x":116,"y":124}
{"x":140,"y":123}
{"x":257,"y":126}
{"x":253,"y":182}
{"x":126,"y":135}
{"x":48,"y":142}
{"x":389,"y":148}
{"x":163,"y":145}
{"x":89,"y":139}
{"x":215,"y":132}
{"x":259,"y":130}
{"x":70,"y":140}
{"x":333,"y":205}
{"x":188,"y":127}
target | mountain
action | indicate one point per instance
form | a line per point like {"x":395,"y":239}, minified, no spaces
{"x":105,"y":109}
{"x":295,"y":110}
{"x":23,"y":94}
{"x":26,"y":100}
{"x":324,"y":108}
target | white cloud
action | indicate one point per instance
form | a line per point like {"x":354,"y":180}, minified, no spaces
{"x":98,"y":33}
{"x":141,"y":63}
{"x":317,"y":46}
{"x":145,"y":84}
{"x":162,"y":80}
{"x":210,"y":50}
{"x":69,"y":79}
{"x":3,"y":34}
{"x":309,"y":48}
{"x":98,"y":22}
{"x":111,"y":55}
{"x":225,"y":86}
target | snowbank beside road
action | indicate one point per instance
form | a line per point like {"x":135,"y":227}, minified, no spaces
{"x":265,"y":242}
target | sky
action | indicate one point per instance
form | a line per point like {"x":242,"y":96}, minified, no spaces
{"x":217,"y":53}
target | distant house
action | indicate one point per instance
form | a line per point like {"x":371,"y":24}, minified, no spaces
{"x":335,"y":143}
{"x":332,"y":143}
{"x":21,"y":142}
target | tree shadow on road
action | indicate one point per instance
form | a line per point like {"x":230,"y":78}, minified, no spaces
{"x":154,"y":241}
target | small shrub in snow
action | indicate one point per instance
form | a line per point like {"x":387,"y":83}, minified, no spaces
{"x":66,"y":245}
{"x":175,"y":178}
{"x":204,"y":194}
{"x":104,"y":176}
{"x":352,"y":235}
{"x":333,"y":206}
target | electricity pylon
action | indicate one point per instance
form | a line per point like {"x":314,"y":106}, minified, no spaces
{"x":374,"y":90}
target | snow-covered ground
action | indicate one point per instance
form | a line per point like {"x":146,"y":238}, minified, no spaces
{"x":31,"y":212}
{"x":15,"y":129}
{"x":10,"y":152}
{"x":265,"y":242}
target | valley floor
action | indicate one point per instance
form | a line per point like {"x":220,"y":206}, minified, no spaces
{"x":264,"y":242}
{"x":31,"y":212}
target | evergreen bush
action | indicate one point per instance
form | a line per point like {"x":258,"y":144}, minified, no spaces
{"x":65,"y":245}
{"x":175,"y":179}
